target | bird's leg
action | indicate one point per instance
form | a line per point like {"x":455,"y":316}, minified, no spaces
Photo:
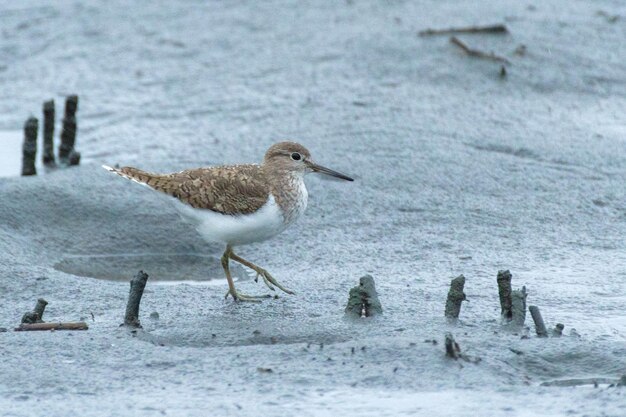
{"x":269,"y":280}
{"x":237,"y":296}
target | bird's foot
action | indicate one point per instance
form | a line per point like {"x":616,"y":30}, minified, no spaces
{"x":237,"y":296}
{"x":270,"y":281}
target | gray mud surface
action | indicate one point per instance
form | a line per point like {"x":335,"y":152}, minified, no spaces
{"x":457,"y":172}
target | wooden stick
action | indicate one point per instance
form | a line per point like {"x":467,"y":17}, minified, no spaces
{"x":518,"y":307}
{"x":453,"y":350}
{"x":478,"y":54}
{"x":40,"y":307}
{"x":504,"y":291}
{"x":363,"y":300}
{"x":540,"y":327}
{"x":81,"y":325}
{"x":48,"y":133}
{"x":67,"y":153}
{"x":455,"y":297}
{"x":137,"y":285}
{"x":29,"y":148}
{"x":470,"y":29}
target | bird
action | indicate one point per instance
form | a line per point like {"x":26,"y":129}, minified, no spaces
{"x":240,"y":204}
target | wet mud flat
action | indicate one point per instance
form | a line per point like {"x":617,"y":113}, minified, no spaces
{"x":459,"y":170}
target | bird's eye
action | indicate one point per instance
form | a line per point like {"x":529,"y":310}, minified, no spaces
{"x":296,"y":156}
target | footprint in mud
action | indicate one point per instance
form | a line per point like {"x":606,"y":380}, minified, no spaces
{"x":160,"y":267}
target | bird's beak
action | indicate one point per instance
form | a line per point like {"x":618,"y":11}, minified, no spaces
{"x":318,"y":168}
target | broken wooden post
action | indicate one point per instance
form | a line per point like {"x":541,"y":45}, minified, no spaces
{"x":558,"y":330}
{"x":48,"y":134}
{"x":540,"y":327}
{"x":67,"y":153}
{"x":40,"y":307}
{"x":504,"y":291}
{"x":453,"y":350}
{"x":518,"y":307}
{"x":35,"y":316}
{"x":363,"y":299}
{"x":455,"y":297}
{"x":137,"y":285}
{"x":29,"y":148}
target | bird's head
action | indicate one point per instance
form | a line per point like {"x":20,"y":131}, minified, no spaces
{"x":291,"y":156}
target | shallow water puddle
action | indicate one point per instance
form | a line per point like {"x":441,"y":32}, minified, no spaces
{"x":11,"y":153}
{"x":170,"y":268}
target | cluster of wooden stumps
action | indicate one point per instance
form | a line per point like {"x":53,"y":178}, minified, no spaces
{"x":67,"y":154}
{"x":512,"y":309}
{"x":33,"y":320}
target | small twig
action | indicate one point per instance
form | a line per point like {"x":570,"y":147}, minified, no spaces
{"x":578,"y":382}
{"x":81,"y":325}
{"x":453,"y":350}
{"x":478,"y":54}
{"x":470,"y":29}
{"x":540,"y":327}
{"x":137,"y":285}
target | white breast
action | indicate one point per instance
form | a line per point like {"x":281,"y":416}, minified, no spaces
{"x":235,"y":230}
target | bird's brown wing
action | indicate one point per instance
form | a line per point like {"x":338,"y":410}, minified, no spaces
{"x":236,"y":189}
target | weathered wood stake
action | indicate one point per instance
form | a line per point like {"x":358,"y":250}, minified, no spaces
{"x":137,"y":285}
{"x":29,"y":148}
{"x":540,"y":327}
{"x":453,"y":350}
{"x":504,"y":291}
{"x":48,"y":134}
{"x":35,"y":316}
{"x":518,"y":307}
{"x":363,"y":299}
{"x":67,"y":154}
{"x":40,"y":307}
{"x":455,"y":297}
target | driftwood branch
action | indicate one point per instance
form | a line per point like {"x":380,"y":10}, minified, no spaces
{"x":540,"y":327}
{"x":496,"y":29}
{"x":455,"y":297}
{"x":137,"y":285}
{"x":52,"y":326}
{"x":477,"y":53}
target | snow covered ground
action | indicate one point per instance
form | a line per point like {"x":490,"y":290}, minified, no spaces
{"x":458,"y":171}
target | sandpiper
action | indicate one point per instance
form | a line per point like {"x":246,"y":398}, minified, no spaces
{"x":240,"y":204}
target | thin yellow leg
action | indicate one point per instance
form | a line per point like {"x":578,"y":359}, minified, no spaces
{"x":269,"y":280}
{"x":237,"y":296}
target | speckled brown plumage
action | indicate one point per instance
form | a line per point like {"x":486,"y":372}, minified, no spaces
{"x":234,"y":189}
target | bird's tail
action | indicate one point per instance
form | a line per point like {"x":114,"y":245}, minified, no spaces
{"x":133,"y":174}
